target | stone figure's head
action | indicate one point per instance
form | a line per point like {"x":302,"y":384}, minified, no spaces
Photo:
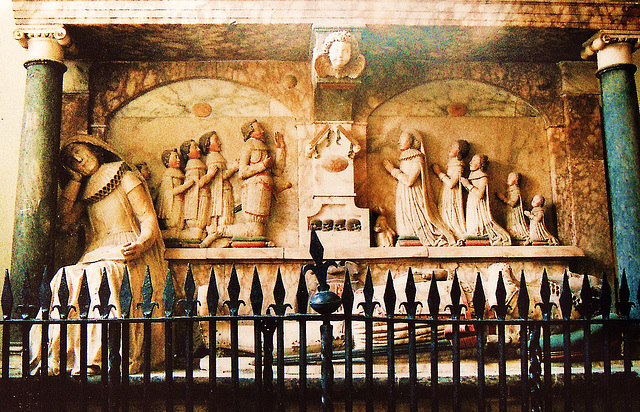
{"x":81,"y":158}
{"x":253,"y":129}
{"x":538,"y":201}
{"x":513,"y":178}
{"x":340,"y":225}
{"x":354,"y":225}
{"x":340,"y":46}
{"x":409,"y":139}
{"x":189,"y":150}
{"x":479,"y":162}
{"x":171,"y":158}
{"x":315,"y":224}
{"x":210,"y":142}
{"x":327,"y":225}
{"x":459,"y":149}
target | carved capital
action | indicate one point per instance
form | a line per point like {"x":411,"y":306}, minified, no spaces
{"x":611,"y":47}
{"x":43,"y":42}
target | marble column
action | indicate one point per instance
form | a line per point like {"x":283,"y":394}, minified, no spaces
{"x":613,"y":51}
{"x":35,"y":208}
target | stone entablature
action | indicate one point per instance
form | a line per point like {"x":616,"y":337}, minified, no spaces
{"x":581,"y":14}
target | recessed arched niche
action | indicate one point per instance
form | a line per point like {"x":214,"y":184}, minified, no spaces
{"x":164,"y":117}
{"x":496,"y":123}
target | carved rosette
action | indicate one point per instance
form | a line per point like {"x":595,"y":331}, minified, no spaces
{"x":43,"y":42}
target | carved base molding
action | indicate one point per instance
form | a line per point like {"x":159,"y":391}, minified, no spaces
{"x":374,"y":253}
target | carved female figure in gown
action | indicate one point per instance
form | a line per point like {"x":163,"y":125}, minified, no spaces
{"x":217,"y":177}
{"x":451,"y":206}
{"x":516,"y":223}
{"x":416,"y":214}
{"x":196,"y":198}
{"x":121,"y":228}
{"x":171,"y":195}
{"x":537,"y":230}
{"x":479,"y":222}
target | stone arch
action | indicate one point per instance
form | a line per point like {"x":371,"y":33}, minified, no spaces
{"x":495,"y":121}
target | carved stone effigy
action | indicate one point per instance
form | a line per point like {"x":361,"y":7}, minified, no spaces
{"x":121,"y":228}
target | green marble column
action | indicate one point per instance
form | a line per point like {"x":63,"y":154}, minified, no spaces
{"x":621,"y":132}
{"x":36,"y":193}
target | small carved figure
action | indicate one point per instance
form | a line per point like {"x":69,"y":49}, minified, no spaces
{"x":538,"y":232}
{"x":516,"y":223}
{"x":451,"y":206}
{"x":197,"y":197}
{"x":217,"y":177}
{"x":479,"y":221}
{"x":171,"y":195}
{"x":340,"y":56}
{"x":384,"y":232}
{"x":121,"y":228}
{"x":416,"y":214}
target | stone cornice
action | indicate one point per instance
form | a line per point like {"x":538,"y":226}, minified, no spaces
{"x":467,"y":13}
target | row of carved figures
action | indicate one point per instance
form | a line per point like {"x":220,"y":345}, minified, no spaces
{"x":419,"y":221}
{"x":195,"y":202}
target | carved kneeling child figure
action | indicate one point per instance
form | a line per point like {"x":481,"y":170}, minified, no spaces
{"x":538,"y":232}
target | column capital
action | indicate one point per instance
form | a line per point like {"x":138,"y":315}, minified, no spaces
{"x":43,"y":42}
{"x":611,"y":47}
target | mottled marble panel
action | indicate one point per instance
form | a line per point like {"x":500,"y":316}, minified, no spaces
{"x":592,"y":224}
{"x":561,"y":183}
{"x":74,"y":114}
{"x":579,"y":78}
{"x":584,"y":127}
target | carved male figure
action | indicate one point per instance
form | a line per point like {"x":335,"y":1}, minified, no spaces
{"x":197,"y":197}
{"x":416,"y":214}
{"x":256,"y":168}
{"x":217,"y":178}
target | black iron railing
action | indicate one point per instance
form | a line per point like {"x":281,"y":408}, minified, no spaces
{"x":550,"y":367}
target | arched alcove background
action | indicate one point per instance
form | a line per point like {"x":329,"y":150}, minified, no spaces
{"x":165,"y":116}
{"x":496,"y":123}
